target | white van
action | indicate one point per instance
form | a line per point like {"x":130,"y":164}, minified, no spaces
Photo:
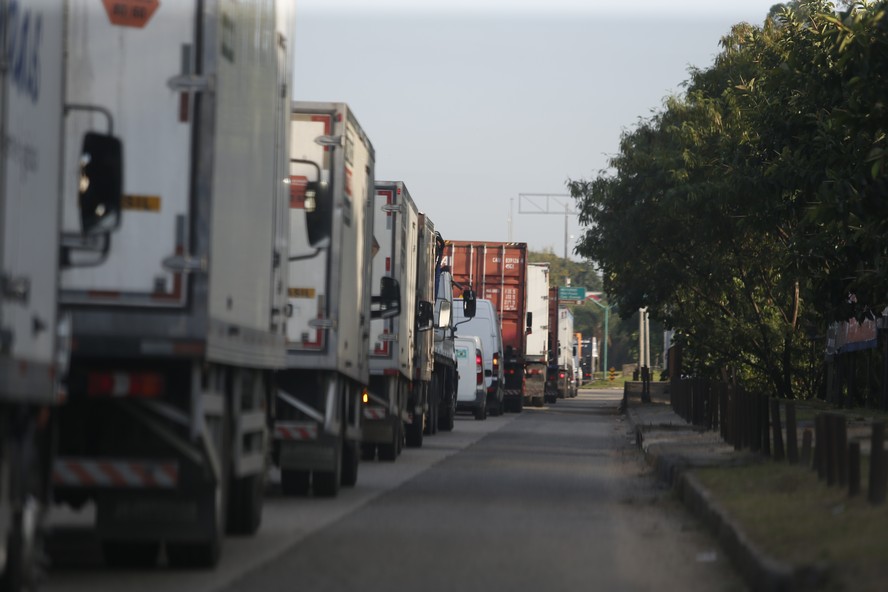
{"x":471,"y":394}
{"x":486,"y":326}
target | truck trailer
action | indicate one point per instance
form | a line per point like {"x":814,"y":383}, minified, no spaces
{"x":536,"y":344}
{"x":397,"y":404}
{"x":497,"y":272}
{"x":318,"y":433}
{"x":177,"y":330}
{"x":34,"y":336}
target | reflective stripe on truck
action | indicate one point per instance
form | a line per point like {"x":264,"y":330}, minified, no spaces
{"x":77,"y":472}
{"x":299,"y":431}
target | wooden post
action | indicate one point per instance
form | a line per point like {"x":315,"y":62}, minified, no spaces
{"x":779,"y":453}
{"x":841,"y":444}
{"x":831,"y":457}
{"x":792,"y":443}
{"x":806,"y":448}
{"x":854,"y":469}
{"x":878,"y":469}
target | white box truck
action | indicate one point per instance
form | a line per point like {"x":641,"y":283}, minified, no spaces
{"x":536,"y":343}
{"x":395,"y":411}
{"x":34,"y":339}
{"x":178,"y":329}
{"x":566,"y":349}
{"x":318,"y":408}
{"x":426,"y":399}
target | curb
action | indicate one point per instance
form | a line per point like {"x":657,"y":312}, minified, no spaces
{"x":760,"y":571}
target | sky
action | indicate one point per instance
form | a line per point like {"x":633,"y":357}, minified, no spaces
{"x":483,"y":106}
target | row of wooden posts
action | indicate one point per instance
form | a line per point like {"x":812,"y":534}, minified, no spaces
{"x":751,"y":421}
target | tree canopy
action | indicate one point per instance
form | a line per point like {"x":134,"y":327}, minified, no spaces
{"x":745,"y":211}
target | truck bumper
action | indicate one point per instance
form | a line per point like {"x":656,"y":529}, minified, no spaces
{"x":309,"y":455}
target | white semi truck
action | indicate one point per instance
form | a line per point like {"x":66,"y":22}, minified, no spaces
{"x":178,"y":329}
{"x":318,"y":426}
{"x":536,"y":343}
{"x":34,"y":339}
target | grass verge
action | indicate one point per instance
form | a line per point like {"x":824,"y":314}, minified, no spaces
{"x":797,"y":519}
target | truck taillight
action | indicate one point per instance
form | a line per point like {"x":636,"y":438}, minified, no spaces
{"x":495,"y":362}
{"x":145,"y":385}
{"x":365,"y":397}
{"x":561,"y":375}
{"x":479,"y":364}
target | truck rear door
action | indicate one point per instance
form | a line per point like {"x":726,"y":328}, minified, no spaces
{"x":153,"y":57}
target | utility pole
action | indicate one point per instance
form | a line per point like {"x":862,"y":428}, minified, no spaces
{"x":607,"y":308}
{"x":548,"y":203}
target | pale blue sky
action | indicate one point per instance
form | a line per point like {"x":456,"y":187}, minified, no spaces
{"x":473,"y":103}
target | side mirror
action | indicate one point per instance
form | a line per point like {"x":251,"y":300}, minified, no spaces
{"x":388,"y":303}
{"x":444,"y":314}
{"x":469,"y":303}
{"x":316,"y":201}
{"x":425,"y":315}
{"x":100,"y":184}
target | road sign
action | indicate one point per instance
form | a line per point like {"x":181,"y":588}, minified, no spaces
{"x":571,"y":293}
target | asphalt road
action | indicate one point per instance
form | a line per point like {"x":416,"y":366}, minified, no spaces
{"x":556,"y":498}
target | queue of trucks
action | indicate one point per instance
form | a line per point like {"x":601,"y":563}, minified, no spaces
{"x":191,"y":299}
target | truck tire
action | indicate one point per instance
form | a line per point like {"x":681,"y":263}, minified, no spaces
{"x":295,"y":482}
{"x":445,"y":421}
{"x":21,"y":448}
{"x":389,"y":452}
{"x":537,"y":401}
{"x":326,"y":483}
{"x":414,"y":432}
{"x":481,"y":413}
{"x":246,"y":495}
{"x":519,"y":405}
{"x":203,"y":554}
{"x":350,"y":456}
{"x":128,"y":554}
{"x":368,"y":451}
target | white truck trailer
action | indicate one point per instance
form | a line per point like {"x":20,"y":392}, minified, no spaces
{"x":178,"y":329}
{"x":34,"y":344}
{"x":425,"y":399}
{"x":318,"y":408}
{"x":536,"y":343}
{"x":394,"y":411}
{"x":566,"y":340}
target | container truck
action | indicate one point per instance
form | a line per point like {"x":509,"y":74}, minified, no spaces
{"x":397,"y":404}
{"x":318,"y":407}
{"x":34,"y":337}
{"x":177,"y":330}
{"x":498,"y":272}
{"x":536,"y":344}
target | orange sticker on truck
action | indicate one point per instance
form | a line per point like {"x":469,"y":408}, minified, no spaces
{"x":130,"y":13}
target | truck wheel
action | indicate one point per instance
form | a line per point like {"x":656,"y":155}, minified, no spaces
{"x":389,"y":452}
{"x":481,"y":412}
{"x":21,"y":449}
{"x":414,"y":432}
{"x":295,"y":482}
{"x":445,"y":422}
{"x":245,"y":504}
{"x":326,"y":483}
{"x":519,"y":405}
{"x":537,"y":401}
{"x":368,"y":451}
{"x":350,"y":463}
{"x":130,"y":554}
